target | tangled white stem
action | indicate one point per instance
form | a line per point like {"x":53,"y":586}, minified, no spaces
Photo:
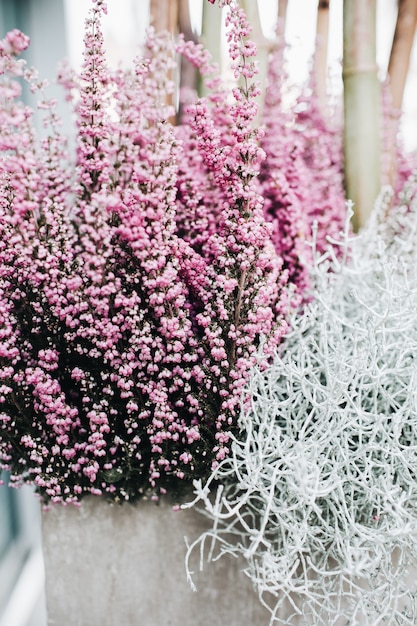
{"x":319,"y":494}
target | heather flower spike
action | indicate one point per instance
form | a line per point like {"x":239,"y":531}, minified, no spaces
{"x":301,"y":180}
{"x":239,"y":294}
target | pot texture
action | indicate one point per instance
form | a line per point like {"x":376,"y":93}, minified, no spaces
{"x":109,"y":565}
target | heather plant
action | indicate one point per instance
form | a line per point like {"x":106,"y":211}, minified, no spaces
{"x":282,"y":177}
{"x":319,"y":494}
{"x":323,"y":158}
{"x":301,"y":178}
{"x":125,"y":342}
{"x":239,"y":251}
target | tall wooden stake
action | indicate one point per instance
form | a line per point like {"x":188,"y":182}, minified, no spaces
{"x":188,"y":73}
{"x":397,"y":72}
{"x":401,"y":49}
{"x":282,"y":12}
{"x":320,"y":54}
{"x":164,"y":15}
{"x":362,"y":107}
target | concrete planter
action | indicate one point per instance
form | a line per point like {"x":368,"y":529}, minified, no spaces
{"x":109,"y":565}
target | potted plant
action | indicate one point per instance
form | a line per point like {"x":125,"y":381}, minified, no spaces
{"x":150,"y":340}
{"x":319,"y":492}
{"x":136,"y":284}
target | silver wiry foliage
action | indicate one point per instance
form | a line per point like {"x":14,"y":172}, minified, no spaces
{"x":319,"y":495}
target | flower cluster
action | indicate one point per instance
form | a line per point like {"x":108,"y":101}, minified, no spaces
{"x":319,"y":493}
{"x":301,"y":179}
{"x":242,"y":273}
{"x":137,"y":283}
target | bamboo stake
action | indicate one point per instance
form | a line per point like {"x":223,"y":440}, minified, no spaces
{"x":164,"y":15}
{"x":320,"y":55}
{"x":397,"y":72}
{"x":184,"y":20}
{"x":188,"y":73}
{"x":282,"y":12}
{"x":211,"y":31}
{"x":401,"y":49}
{"x":280,"y":31}
{"x":361,"y":106}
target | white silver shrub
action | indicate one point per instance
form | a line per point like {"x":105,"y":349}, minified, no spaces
{"x":319,"y":494}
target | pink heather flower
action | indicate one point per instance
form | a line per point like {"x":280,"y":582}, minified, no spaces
{"x":323,"y":157}
{"x":232,"y":270}
{"x":15,"y":42}
{"x":301,"y":177}
{"x":136,"y":285}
